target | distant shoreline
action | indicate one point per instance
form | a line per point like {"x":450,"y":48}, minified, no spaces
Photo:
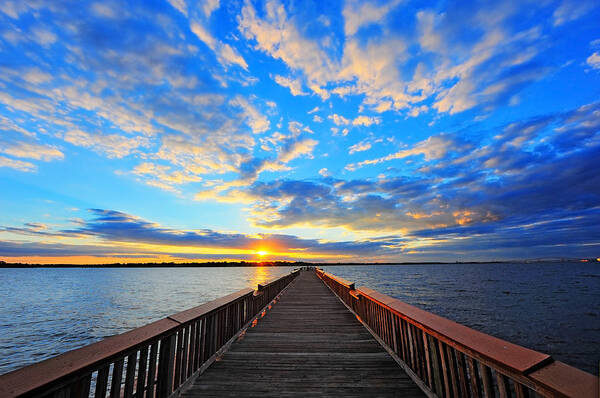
{"x":214,"y":264}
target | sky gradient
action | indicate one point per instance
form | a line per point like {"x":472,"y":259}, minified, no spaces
{"x":305,"y":130}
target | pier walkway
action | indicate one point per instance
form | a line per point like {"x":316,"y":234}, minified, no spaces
{"x":309,"y":344}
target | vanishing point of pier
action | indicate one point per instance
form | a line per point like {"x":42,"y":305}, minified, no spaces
{"x":307,"y":334}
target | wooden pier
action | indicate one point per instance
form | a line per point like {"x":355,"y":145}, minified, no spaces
{"x":308,"y":333}
{"x":309,"y":344}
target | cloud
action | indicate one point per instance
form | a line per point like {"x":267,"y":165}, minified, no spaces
{"x":357,"y":14}
{"x":163,"y":177}
{"x":367,"y":121}
{"x":27,"y":150}
{"x":338,"y":120}
{"x":294,"y":85}
{"x":278,"y":36}
{"x":113,"y":145}
{"x":359,"y":147}
{"x":228,"y":55}
{"x":434,"y":147}
{"x":324,"y":172}
{"x":569,"y":11}
{"x":255,"y":120}
{"x":180,"y":5}
{"x":594,"y":60}
{"x":43,"y":36}
{"x":17,"y":164}
{"x":296,"y":149}
{"x":453,"y":66}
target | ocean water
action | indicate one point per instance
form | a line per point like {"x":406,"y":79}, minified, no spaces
{"x":554,"y":307}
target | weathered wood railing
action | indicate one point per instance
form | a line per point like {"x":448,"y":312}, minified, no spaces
{"x":451,"y":360}
{"x":155,"y":360}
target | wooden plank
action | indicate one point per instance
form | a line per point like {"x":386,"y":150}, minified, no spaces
{"x":81,"y":388}
{"x":473,"y":377}
{"x":453,"y":373}
{"x":462,"y":374}
{"x":102,"y":382}
{"x":117,"y":376}
{"x":207,"y":308}
{"x":141,"y":378}
{"x":151,"y":392}
{"x":130,"y":375}
{"x":486,"y":380}
{"x":561,"y":379}
{"x":166,"y":367}
{"x":503,"y":386}
{"x":428,"y":365}
{"x":436,"y":366}
{"x":177,"y":355}
{"x":444,"y":363}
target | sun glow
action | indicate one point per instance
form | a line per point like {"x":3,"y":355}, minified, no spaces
{"x":262,"y":253}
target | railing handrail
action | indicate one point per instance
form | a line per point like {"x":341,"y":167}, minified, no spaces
{"x":509,"y":356}
{"x":268,"y":283}
{"x":534,"y":369}
{"x":69,"y":366}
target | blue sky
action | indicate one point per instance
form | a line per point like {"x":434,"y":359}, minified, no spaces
{"x":329,"y":131}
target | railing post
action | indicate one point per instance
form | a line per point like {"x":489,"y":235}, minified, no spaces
{"x":165,"y":367}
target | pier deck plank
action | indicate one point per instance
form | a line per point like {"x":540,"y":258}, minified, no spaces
{"x":309,"y":344}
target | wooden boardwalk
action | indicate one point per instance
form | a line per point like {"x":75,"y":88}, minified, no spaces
{"x":309,"y":344}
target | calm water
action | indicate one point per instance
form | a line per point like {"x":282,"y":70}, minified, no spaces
{"x":554,"y":308}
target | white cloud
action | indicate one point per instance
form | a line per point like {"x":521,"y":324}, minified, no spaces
{"x":298,"y":148}
{"x":294,"y":85}
{"x":279,"y":37}
{"x":359,"y":147}
{"x":358,"y":14}
{"x":36,"y":76}
{"x":210,"y":6}
{"x":162,"y":177}
{"x":17,"y":164}
{"x":317,"y":119}
{"x":313,"y":110}
{"x":228,"y":55}
{"x":367,"y":121}
{"x":14,"y":9}
{"x":113,"y":145}
{"x":179,"y":5}
{"x":571,"y":10}
{"x":594,"y":60}
{"x":31,"y":151}
{"x":104,"y":10}
{"x":43,"y":36}
{"x":338,"y":120}
{"x":324,"y":172}
{"x":203,"y":34}
{"x":434,"y":147}
{"x":255,"y":120}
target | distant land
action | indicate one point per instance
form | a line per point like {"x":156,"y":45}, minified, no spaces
{"x":4,"y":264}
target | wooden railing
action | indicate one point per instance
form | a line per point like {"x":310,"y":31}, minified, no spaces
{"x":155,"y":360}
{"x":447,"y":359}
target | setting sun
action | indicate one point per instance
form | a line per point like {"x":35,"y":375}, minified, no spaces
{"x":262,"y":253}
